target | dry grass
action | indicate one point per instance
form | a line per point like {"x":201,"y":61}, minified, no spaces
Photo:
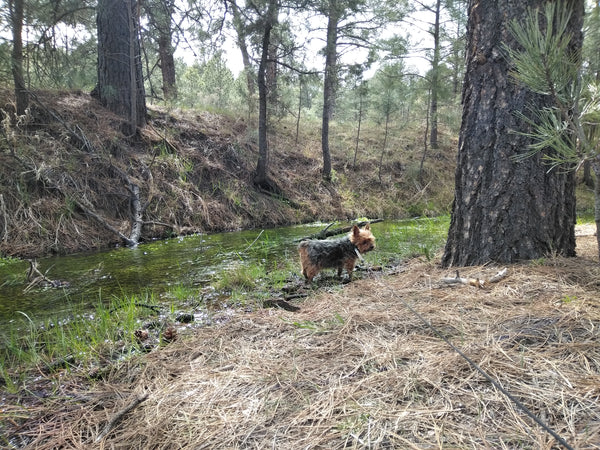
{"x":355,"y":368}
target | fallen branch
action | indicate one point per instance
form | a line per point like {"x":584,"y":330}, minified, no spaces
{"x":119,"y":416}
{"x":36,"y":278}
{"x":76,"y":133}
{"x":5,"y":217}
{"x":325,"y":234}
{"x":154,"y":308}
{"x":253,"y":242}
{"x":477,"y":282}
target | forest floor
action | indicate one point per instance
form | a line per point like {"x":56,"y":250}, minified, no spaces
{"x":69,"y":177}
{"x":354,"y":367}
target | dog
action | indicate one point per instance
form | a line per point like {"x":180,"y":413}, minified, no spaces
{"x":342,"y":253}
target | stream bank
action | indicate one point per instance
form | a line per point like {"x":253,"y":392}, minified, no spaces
{"x":72,"y":182}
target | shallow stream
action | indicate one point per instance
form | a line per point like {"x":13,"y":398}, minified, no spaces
{"x":157,"y":267}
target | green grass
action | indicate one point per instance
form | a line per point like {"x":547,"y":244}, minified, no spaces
{"x":409,"y":239}
{"x":107,"y":334}
{"x":83,"y":341}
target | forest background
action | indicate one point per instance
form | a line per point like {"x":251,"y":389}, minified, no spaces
{"x":326,"y":118}
{"x":393,"y":132}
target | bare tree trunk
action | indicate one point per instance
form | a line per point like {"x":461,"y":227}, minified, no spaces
{"x":299,"y":109}
{"x":160,"y":15}
{"x":16,"y":10}
{"x":385,"y":136}
{"x":360,"y":114}
{"x":261,"y":177}
{"x":504,"y":210}
{"x":435,"y":70}
{"x":329,"y":84}
{"x":238,"y":24}
{"x":120,"y":84}
{"x":424,"y":146}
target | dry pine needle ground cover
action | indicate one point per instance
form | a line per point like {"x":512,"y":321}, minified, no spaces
{"x":354,"y":368}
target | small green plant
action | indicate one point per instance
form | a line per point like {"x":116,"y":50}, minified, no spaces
{"x":182,"y":292}
{"x":240,"y":276}
{"x":84,"y":339}
{"x":538,"y":262}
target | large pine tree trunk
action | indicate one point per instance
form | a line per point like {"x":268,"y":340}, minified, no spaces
{"x":504,"y":210}
{"x":120,"y":84}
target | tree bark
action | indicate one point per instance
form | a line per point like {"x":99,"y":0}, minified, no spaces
{"x":329,"y":84}
{"x":16,"y":10}
{"x":504,"y":210}
{"x":120,"y":83}
{"x":435,"y":78}
{"x":360,"y":116}
{"x":160,"y":15}
{"x":261,"y":177}
{"x":238,"y":24}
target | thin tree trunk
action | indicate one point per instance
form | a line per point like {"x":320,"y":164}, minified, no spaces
{"x":328,"y":85}
{"x":385,"y":136}
{"x":360,"y":113}
{"x":16,"y":9}
{"x":132,"y":70}
{"x":424,"y":147}
{"x":433,"y":140}
{"x":299,"y":109}
{"x":238,"y":25}
{"x":160,"y":15}
{"x":261,"y":176}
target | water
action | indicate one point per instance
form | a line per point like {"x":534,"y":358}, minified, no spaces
{"x":191,"y":261}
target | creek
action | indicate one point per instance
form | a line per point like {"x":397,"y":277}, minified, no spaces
{"x":160,"y":266}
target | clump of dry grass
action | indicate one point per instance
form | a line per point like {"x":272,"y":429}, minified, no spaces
{"x":355,"y":368}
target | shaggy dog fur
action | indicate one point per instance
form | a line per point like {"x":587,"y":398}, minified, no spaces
{"x":316,"y":255}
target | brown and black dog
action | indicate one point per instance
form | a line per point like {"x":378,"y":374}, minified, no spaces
{"x":340,"y":253}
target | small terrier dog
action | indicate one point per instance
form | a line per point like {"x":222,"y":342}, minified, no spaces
{"x":316,"y":255}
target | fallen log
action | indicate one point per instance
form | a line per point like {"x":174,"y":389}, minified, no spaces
{"x":323,"y":234}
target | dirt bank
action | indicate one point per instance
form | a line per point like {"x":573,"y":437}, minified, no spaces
{"x":72,"y":181}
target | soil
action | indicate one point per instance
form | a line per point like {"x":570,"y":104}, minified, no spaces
{"x":69,"y":177}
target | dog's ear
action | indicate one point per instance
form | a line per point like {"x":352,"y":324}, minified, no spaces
{"x":355,"y":231}
{"x":367,"y":226}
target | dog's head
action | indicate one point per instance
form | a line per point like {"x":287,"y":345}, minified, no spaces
{"x":362,"y":239}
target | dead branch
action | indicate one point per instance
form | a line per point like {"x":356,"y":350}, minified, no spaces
{"x":117,"y":417}
{"x":137,"y":222}
{"x":5,"y":217}
{"x":323,"y":234}
{"x":75,"y":132}
{"x":477,"y":282}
